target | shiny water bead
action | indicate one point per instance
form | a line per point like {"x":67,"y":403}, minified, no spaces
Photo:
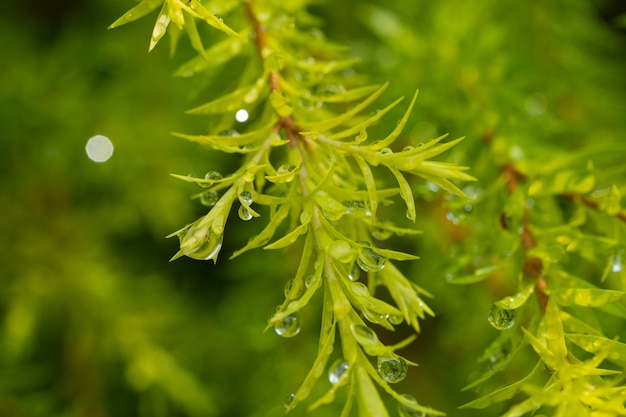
{"x":208,"y":198}
{"x":228,"y":132}
{"x":310,"y":281}
{"x":360,"y":289}
{"x":288,"y":326}
{"x":374,"y":316}
{"x":201,"y":243}
{"x":395,"y":319}
{"x":338,"y":371}
{"x":245,"y":197}
{"x":369,"y":260}
{"x":392,"y":368}
{"x":364,"y":335}
{"x":285,"y":169}
{"x":244,"y":213}
{"x":500,"y":318}
{"x":289,"y":400}
{"x":407,"y":411}
{"x":341,"y":251}
{"x":385,"y":151}
{"x":213,"y":176}
{"x":357,"y":207}
{"x":408,"y":148}
{"x":355,"y":272}
{"x":379,"y":230}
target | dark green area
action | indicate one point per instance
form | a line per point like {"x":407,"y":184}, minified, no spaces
{"x":94,"y":321}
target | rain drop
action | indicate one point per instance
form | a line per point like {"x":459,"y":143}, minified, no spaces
{"x":501,"y":318}
{"x":341,"y":251}
{"x":408,"y":411}
{"x":616,"y":263}
{"x":379,"y":230}
{"x":338,"y":371}
{"x":245,"y":197}
{"x":288,"y":326}
{"x":310,"y":281}
{"x":201,"y":243}
{"x":385,"y":151}
{"x":374,"y":316}
{"x":396,"y":319}
{"x":289,"y":400}
{"x":355,"y":272}
{"x":364,"y":335}
{"x":213,"y":176}
{"x":408,"y":148}
{"x":228,"y":132}
{"x":356,"y":207}
{"x":244,"y":213}
{"x":392,"y":368}
{"x":369,"y":260}
{"x":209,"y":198}
{"x":285,"y":169}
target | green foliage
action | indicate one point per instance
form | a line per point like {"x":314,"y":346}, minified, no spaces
{"x":332,"y":180}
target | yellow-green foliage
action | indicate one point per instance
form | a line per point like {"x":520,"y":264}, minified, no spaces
{"x":327,"y":175}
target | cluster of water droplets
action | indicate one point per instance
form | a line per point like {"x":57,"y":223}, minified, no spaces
{"x":357,"y":207}
{"x":245,"y":197}
{"x":501,"y":318}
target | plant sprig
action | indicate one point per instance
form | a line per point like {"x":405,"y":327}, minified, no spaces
{"x":311,"y":170}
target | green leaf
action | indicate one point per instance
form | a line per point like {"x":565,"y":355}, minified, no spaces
{"x":398,"y":129}
{"x":370,"y":184}
{"x":406,"y":193}
{"x":289,"y":238}
{"x":555,"y":337}
{"x":281,"y":103}
{"x":587,"y":297}
{"x":267,"y":233}
{"x":233,"y":101}
{"x":232,"y":141}
{"x":219,"y":54}
{"x":516,"y":301}
{"x":140,"y":10}
{"x":367,"y":122}
{"x":370,"y":403}
{"x":477,"y":276}
{"x":615,"y":351}
{"x":504,"y":393}
{"x":329,"y":124}
{"x":574,"y":181}
{"x":196,"y":9}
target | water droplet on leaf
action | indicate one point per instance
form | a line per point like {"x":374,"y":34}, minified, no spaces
{"x":392,"y":368}
{"x":244,"y":213}
{"x":338,"y":371}
{"x":355,"y":272}
{"x":209,"y":198}
{"x":357,"y":207}
{"x":364,"y":335}
{"x":201,"y":243}
{"x":288,"y":326}
{"x":370,"y":261}
{"x":285,"y":169}
{"x":289,"y":400}
{"x":310,"y":281}
{"x":341,"y":251}
{"x":408,"y":148}
{"x":408,"y":411}
{"x":379,"y":232}
{"x":245,"y":197}
{"x":228,"y":132}
{"x":213,"y":176}
{"x":500,"y":318}
{"x":385,"y":151}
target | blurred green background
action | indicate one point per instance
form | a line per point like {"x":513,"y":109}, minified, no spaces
{"x":94,"y":320}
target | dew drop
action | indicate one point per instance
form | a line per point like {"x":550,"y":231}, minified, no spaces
{"x":385,"y":151}
{"x":285,"y":169}
{"x":408,"y":148}
{"x":500,"y":318}
{"x":244,"y":213}
{"x":288,"y":286}
{"x":208,"y":198}
{"x":369,"y":260}
{"x":245,"y":197}
{"x":228,"y":132}
{"x":374,"y":316}
{"x":616,"y":263}
{"x":213,"y":176}
{"x":396,"y":319}
{"x":360,"y":289}
{"x":379,"y":230}
{"x":341,"y":251}
{"x":364,"y":335}
{"x":338,"y":371}
{"x":310,"y":281}
{"x":355,"y":272}
{"x":288,"y":326}
{"x":392,"y":368}
{"x":201,"y":243}
{"x":405,"y":410}
{"x":356,"y":207}
{"x":289,"y":400}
